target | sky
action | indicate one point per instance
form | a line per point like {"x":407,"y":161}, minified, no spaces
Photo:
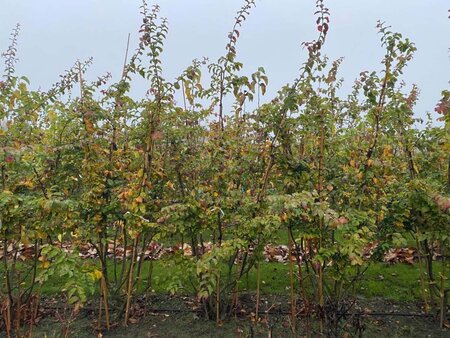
{"x":55,"y":33}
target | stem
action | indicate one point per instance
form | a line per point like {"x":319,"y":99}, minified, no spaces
{"x":149,"y":275}
{"x":442,"y":290}
{"x":258,"y":287}
{"x":298,"y":250}
{"x":422,"y":280}
{"x":124,"y":259}
{"x":114,"y":254}
{"x":141,"y":260}
{"x":7,"y":316}
{"x":378,"y":111}
{"x":99,"y":320}
{"x":33,"y":278}
{"x":8,"y":280}
{"x":105,"y":300}
{"x":320,"y":185}
{"x":219,"y":228}
{"x":448,"y":175}
{"x":218,"y":299}
{"x":130,"y":282}
{"x":291,"y":280}
{"x":32,"y":317}
{"x":18,"y":307}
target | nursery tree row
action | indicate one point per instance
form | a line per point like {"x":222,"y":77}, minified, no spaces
{"x":87,"y":163}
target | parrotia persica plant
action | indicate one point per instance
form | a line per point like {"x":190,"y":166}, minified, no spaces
{"x":85,"y":164}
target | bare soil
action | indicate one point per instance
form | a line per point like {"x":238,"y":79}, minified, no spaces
{"x":166,"y":316}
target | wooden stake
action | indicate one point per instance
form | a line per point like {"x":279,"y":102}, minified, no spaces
{"x":105,"y":300}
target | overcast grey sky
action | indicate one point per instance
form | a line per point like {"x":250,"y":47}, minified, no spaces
{"x":55,"y":33}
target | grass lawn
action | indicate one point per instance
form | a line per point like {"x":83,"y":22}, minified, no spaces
{"x":396,"y":282}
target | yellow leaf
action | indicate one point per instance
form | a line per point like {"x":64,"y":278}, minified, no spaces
{"x":399,"y":224}
{"x":45,"y":264}
{"x":41,"y":234}
{"x":97,"y":218}
{"x":387,"y":151}
{"x":97,"y":275}
{"x":170,"y":185}
{"x":51,"y":114}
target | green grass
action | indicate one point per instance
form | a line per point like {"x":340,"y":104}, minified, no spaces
{"x":397,"y":282}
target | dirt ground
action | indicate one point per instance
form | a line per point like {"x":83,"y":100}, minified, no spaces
{"x":165,"y":316}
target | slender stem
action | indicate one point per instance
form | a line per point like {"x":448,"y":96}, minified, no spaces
{"x":299,"y":251}
{"x":105,"y":300}
{"x":130,"y":282}
{"x":443,"y":291}
{"x":291,"y":280}
{"x":99,"y":320}
{"x":320,"y":282}
{"x":258,"y":287}
{"x":218,"y":299}
{"x":421,"y":272}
